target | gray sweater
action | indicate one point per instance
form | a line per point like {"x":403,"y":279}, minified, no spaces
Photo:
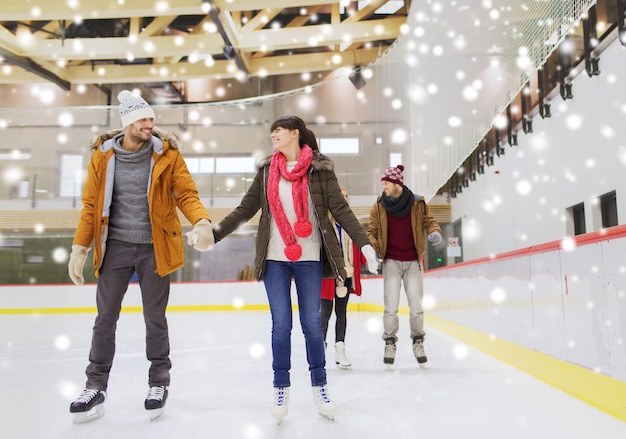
{"x":130,"y":214}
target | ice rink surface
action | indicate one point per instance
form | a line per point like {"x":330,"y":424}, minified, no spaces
{"x":222,"y":385}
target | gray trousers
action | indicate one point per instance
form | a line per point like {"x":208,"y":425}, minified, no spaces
{"x":121,"y":261}
{"x":396,"y":274}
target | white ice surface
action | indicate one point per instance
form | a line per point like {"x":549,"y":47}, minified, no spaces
{"x":222,"y":385}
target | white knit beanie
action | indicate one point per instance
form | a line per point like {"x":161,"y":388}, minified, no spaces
{"x":133,"y":108}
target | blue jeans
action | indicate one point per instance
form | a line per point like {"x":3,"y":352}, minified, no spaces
{"x":308,"y":278}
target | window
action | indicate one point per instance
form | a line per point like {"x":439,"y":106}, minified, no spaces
{"x":234,"y":165}
{"x":200,"y":165}
{"x":221,"y":165}
{"x":71,"y":175}
{"x":395,"y":159}
{"x":340,"y":145}
{"x":608,"y":209}
{"x":14,"y":154}
{"x":578,"y":215}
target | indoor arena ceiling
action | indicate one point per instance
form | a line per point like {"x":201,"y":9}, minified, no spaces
{"x":164,"y":44}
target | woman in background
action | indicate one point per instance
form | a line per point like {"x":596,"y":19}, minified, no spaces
{"x":334,"y":290}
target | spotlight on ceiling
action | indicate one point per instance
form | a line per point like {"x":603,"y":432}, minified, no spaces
{"x":356,"y":78}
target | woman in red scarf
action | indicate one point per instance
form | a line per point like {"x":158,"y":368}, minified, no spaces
{"x":295,"y":188}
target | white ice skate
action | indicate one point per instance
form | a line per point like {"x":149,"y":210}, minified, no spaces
{"x":155,"y":401}
{"x":89,"y":406}
{"x":281,"y":401}
{"x":325,"y":406}
{"x":340,"y":356}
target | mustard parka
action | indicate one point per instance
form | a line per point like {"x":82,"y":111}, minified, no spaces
{"x":170,"y":186}
{"x":422,"y":219}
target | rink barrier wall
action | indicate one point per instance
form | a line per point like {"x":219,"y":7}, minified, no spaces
{"x":556,"y":311}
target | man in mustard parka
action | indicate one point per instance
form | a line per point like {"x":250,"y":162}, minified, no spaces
{"x":135,"y":181}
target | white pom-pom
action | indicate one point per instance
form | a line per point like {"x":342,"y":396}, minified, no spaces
{"x":124,"y":95}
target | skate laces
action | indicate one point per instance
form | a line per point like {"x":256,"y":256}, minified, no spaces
{"x":323,"y":395}
{"x":390,"y":349}
{"x":156,"y":392}
{"x":418,"y":346}
{"x":279,"y":395}
{"x":87,"y":395}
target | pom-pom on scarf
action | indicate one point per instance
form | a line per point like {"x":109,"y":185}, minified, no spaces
{"x":300,"y":194}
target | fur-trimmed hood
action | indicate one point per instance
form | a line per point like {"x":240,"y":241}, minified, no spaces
{"x":319,"y":162}
{"x":164,"y":136}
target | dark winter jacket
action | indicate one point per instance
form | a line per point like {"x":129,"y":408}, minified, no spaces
{"x":326,"y":194}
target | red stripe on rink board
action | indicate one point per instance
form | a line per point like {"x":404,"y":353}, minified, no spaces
{"x":579,"y":240}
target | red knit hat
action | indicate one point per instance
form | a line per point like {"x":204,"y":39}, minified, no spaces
{"x":393,"y":174}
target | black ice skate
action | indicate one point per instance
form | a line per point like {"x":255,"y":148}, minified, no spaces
{"x":390,"y":351}
{"x":155,"y":401}
{"x":418,"y":350}
{"x":88,"y":406}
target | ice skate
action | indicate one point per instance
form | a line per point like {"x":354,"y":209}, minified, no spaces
{"x":390,"y":351}
{"x":418,"y":349}
{"x":340,"y":356}
{"x":155,"y":401}
{"x":89,"y":406}
{"x":325,"y":406}
{"x":281,"y":401}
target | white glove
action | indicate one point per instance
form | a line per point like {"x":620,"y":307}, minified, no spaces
{"x":201,"y":236}
{"x":435,"y":238}
{"x":77,"y":261}
{"x":372,"y":260}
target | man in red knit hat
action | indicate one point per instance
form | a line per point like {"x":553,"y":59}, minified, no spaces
{"x":400,"y":223}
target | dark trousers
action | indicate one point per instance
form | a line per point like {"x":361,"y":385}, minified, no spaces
{"x":341,"y":307}
{"x":121,"y":261}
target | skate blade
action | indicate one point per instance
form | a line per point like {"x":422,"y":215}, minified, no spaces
{"x":328,"y":416}
{"x":345,"y":367}
{"x":155,"y":413}
{"x":279,"y":418}
{"x":279,"y":415}
{"x":95,"y":413}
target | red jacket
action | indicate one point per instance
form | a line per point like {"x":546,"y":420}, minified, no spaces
{"x":328,"y":285}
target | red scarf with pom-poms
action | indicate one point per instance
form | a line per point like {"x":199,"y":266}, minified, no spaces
{"x":300,"y":193}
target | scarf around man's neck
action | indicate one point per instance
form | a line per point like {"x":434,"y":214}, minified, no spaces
{"x":300,"y":195}
{"x":398,"y":207}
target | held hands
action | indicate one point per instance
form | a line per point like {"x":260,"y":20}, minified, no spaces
{"x":77,"y":261}
{"x":340,"y":289}
{"x":201,"y":236}
{"x":372,"y":260}
{"x":435,"y":238}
